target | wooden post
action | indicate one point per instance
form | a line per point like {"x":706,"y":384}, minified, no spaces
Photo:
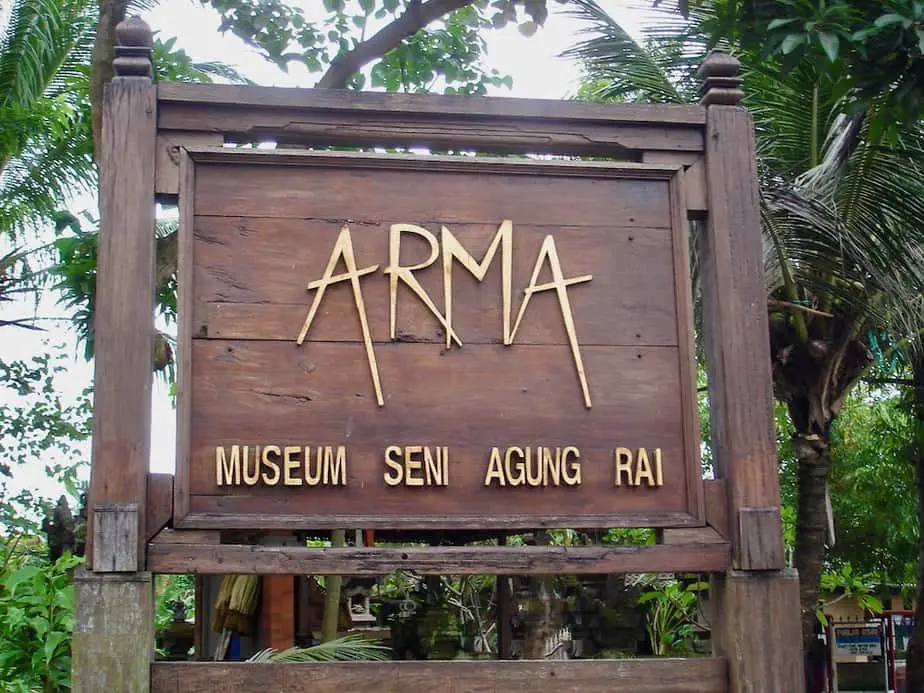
{"x":114,"y":629}
{"x":756,"y":624}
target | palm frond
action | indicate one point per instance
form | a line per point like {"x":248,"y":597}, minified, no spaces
{"x":624,"y":69}
{"x":349,"y":648}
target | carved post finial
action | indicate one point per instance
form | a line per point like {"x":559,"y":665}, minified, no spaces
{"x":134,"y":48}
{"x":721,"y":80}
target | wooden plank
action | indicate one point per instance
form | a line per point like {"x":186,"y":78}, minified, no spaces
{"x":755,"y":625}
{"x":240,"y":386}
{"x":738,"y":352}
{"x":167,"y":159}
{"x":187,"y":536}
{"x":250,"y":276}
{"x":338,"y":101}
{"x":159,"y":507}
{"x":759,"y":529}
{"x":125,"y":299}
{"x":703,"y":675}
{"x":716,"y":501}
{"x":437,"y":560}
{"x":447,"y":190}
{"x":691,"y":535}
{"x":187,"y":186}
{"x":115,"y":537}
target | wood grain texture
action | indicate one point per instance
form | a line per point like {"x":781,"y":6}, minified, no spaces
{"x":759,"y":529}
{"x":125,"y":299}
{"x":167,"y":167}
{"x":113,"y":642}
{"x":706,"y":675}
{"x":715,"y":497}
{"x":260,"y":226}
{"x":115,"y":537}
{"x":326,"y":117}
{"x":438,"y":560}
{"x":738,"y":351}
{"x":159,"y":505}
{"x":756,"y":626}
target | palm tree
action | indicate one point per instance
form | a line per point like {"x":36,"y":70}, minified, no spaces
{"x":46,"y":152}
{"x":842,"y":214}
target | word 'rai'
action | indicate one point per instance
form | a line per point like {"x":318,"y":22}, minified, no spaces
{"x":452,"y":249}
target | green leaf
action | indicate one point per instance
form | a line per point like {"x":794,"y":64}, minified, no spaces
{"x":367,"y":5}
{"x":920,"y":33}
{"x":888,"y":19}
{"x":777,"y":23}
{"x":791,"y":42}
{"x":830,"y":43}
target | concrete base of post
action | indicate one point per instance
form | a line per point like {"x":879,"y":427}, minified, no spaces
{"x":113,"y":644}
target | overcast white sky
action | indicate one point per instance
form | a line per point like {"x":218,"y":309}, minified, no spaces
{"x":532,"y":62}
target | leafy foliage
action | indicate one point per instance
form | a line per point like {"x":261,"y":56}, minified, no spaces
{"x":38,"y":426}
{"x":36,"y":620}
{"x":671,"y":615}
{"x":349,"y":648}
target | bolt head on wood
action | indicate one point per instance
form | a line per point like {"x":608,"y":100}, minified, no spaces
{"x":134,"y":47}
{"x":720,"y":74}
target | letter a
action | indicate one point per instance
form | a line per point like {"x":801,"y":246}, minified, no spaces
{"x":560,"y":284}
{"x":343,"y":248}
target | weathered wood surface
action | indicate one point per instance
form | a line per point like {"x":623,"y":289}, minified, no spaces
{"x":113,"y":643}
{"x":759,"y":529}
{"x":115,"y":537}
{"x":125,"y":299}
{"x":738,"y":352}
{"x":159,"y":504}
{"x":259,"y":226}
{"x":437,"y":560}
{"x":715,"y":499}
{"x":322,"y":117}
{"x":167,"y":168}
{"x":756,"y":626}
{"x":601,"y":676}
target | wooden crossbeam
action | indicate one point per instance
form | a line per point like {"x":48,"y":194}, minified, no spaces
{"x":437,"y":560}
{"x":701,"y":675}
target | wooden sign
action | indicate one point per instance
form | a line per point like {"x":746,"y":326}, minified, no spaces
{"x":418,"y":341}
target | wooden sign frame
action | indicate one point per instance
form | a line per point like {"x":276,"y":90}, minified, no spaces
{"x":149,"y":130}
{"x":199,"y":325}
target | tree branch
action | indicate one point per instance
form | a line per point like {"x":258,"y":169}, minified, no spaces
{"x":416,"y":17}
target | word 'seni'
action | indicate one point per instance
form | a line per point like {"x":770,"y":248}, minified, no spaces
{"x":451,"y":250}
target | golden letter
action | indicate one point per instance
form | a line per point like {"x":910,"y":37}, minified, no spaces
{"x":452,"y":249}
{"x":338,"y":475}
{"x":520,"y":478}
{"x":644,"y":469}
{"x":495,"y":469}
{"x":289,"y":465}
{"x":343,"y":248}
{"x":433,"y":467}
{"x":412,"y":464}
{"x":659,"y":476}
{"x":393,"y":462}
{"x":398,"y":273}
{"x":560,"y":285}
{"x":622,"y":457}
{"x":571,"y":471}
{"x":271,"y":479}
{"x":228,"y":471}
{"x":313,"y":479}
{"x":251,"y":479}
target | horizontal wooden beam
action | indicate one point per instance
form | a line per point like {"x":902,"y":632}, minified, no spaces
{"x":437,"y":560}
{"x":322,"y":118}
{"x":339,"y":101}
{"x":701,"y":675}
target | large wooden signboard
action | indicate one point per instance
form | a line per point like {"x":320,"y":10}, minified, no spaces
{"x":417,"y":341}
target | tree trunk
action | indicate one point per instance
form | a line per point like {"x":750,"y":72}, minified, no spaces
{"x":332,"y":583}
{"x":814,"y":459}
{"x":915,"y":658}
